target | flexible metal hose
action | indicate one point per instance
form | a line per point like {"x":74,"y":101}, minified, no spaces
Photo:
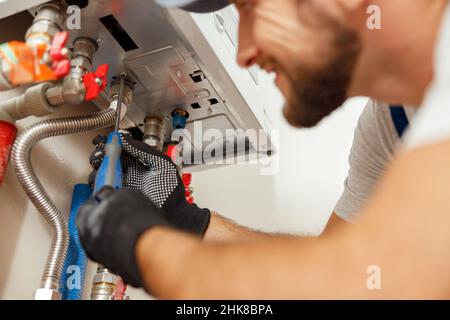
{"x":21,"y":157}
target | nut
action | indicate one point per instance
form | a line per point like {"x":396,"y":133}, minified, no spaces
{"x":47,"y":294}
{"x":85,"y":47}
{"x":103,"y":291}
{"x":106,"y":277}
{"x":48,"y":21}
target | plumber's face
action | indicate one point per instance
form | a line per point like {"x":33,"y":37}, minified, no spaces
{"x":312,"y":53}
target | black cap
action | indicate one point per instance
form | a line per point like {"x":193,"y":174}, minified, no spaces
{"x":200,"y":6}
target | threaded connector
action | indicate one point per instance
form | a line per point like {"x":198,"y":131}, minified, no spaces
{"x":128,"y":90}
{"x":49,"y":20}
{"x":36,"y":102}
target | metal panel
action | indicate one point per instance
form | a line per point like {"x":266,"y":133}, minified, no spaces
{"x":10,"y":7}
{"x":166,"y":64}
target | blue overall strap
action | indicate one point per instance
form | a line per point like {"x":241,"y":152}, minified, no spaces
{"x":400,"y":119}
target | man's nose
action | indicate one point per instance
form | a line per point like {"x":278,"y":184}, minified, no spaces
{"x":247,"y":55}
{"x":247,"y":52}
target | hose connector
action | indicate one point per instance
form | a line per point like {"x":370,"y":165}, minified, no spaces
{"x":47,"y":294}
{"x":33,"y":102}
{"x":127,"y":93}
{"x":104,"y":284}
{"x":49,"y":20}
{"x":128,"y":90}
{"x":154,"y":132}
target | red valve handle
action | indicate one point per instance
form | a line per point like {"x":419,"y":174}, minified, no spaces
{"x":171,"y":149}
{"x":61,"y":68}
{"x":187,"y":179}
{"x":96,"y":82}
{"x":61,"y":64}
{"x":57,"y":52}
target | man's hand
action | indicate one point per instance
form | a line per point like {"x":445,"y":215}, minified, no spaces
{"x":156,"y":176}
{"x":110,"y":225}
{"x":403,"y":230}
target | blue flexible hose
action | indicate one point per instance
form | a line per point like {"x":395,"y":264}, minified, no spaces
{"x":72,"y":280}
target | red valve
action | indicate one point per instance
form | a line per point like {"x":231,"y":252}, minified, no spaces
{"x":96,"y":82}
{"x":61,"y":68}
{"x":58,"y":53}
{"x":187,"y":179}
{"x":171,"y":149}
{"x":58,"y":49}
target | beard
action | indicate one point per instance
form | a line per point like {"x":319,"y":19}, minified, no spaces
{"x":317,"y":92}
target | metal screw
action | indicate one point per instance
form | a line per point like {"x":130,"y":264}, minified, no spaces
{"x":99,"y":41}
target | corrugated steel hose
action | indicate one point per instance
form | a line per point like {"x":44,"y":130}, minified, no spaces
{"x":21,"y":157}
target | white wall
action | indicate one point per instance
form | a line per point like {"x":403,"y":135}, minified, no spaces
{"x":299,"y":198}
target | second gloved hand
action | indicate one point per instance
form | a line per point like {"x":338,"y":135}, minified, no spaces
{"x":156,"y":176}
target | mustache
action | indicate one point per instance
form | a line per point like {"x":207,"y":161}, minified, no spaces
{"x":268,"y":64}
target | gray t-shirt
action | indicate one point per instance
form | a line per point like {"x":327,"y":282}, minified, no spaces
{"x":376,"y":142}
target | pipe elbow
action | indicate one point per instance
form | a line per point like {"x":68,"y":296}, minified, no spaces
{"x":73,"y":91}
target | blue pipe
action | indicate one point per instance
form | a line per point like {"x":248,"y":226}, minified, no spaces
{"x":72,"y":280}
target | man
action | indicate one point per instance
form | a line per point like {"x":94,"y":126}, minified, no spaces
{"x":403,"y":228}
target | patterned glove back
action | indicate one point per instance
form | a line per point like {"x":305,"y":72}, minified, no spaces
{"x":148,"y":170}
{"x":157,"y":178}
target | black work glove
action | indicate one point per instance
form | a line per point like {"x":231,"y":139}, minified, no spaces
{"x":157,"y":177}
{"x":110,"y":225}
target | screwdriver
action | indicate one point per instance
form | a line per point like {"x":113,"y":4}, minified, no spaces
{"x":110,"y":172}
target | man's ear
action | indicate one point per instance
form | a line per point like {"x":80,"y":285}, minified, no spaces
{"x":352,"y":12}
{"x":352,"y":6}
